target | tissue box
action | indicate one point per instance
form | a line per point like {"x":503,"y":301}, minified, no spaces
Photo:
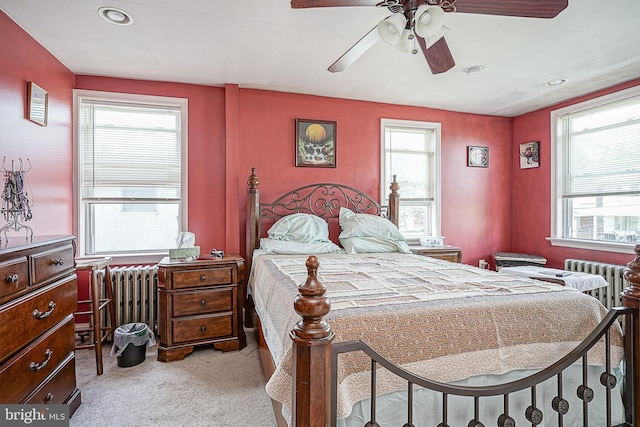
{"x":185,"y":253}
{"x":432,"y":241}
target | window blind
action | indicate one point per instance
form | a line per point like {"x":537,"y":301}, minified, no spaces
{"x":601,"y":150}
{"x":130,"y":151}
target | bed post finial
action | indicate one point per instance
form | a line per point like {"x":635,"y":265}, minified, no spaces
{"x":631,"y":298}
{"x":252,"y":235}
{"x":394,"y":202}
{"x":312,"y":338}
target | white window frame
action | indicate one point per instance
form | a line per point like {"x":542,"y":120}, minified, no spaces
{"x":385,"y":181}
{"x":78,"y":217}
{"x":557,"y":156}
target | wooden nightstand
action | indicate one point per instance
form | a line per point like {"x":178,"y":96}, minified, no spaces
{"x":446,"y":252}
{"x":200,"y":303}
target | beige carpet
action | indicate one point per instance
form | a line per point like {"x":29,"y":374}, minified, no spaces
{"x":208,"y":388}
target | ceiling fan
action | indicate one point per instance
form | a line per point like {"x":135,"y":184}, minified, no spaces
{"x":421,"y":22}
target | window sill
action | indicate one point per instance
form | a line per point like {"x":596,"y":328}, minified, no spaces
{"x":623,"y":248}
{"x":130,"y":259}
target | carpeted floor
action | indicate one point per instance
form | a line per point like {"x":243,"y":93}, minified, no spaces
{"x":208,"y":388}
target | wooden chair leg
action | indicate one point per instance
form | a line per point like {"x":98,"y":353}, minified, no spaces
{"x":97,"y":334}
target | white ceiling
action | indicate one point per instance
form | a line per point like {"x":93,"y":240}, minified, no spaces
{"x":265,"y":44}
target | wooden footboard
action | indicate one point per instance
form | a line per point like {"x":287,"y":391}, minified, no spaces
{"x":312,"y":405}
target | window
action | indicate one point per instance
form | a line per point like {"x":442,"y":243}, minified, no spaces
{"x":597,"y":173}
{"x":411,"y":151}
{"x":130,"y":154}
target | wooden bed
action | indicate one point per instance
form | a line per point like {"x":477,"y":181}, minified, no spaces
{"x":314,"y":347}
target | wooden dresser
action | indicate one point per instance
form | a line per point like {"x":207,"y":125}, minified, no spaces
{"x":446,"y":252}
{"x":38,"y":295}
{"x":200,"y":303}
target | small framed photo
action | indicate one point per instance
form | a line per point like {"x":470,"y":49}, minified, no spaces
{"x":530,"y":155}
{"x":477,"y":156}
{"x":38,"y":103}
{"x":315,"y":143}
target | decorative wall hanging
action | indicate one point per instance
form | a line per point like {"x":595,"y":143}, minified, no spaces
{"x":477,"y":156}
{"x":16,"y":206}
{"x":315,"y":143}
{"x":530,"y":155}
{"x":38,"y":104}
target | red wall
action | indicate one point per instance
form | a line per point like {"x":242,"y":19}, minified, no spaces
{"x":476,"y":202}
{"x":206,"y":149}
{"x":49,"y":149}
{"x":532,"y":191}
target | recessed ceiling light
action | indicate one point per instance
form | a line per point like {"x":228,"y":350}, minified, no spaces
{"x":555,"y":82}
{"x":473,"y":70}
{"x":115,"y":16}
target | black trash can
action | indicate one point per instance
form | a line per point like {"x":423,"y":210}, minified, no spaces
{"x":130,"y":343}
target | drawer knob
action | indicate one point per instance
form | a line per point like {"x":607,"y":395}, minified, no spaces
{"x":203,"y":328}
{"x":12,"y":279}
{"x":203,"y":278}
{"x":40,"y":315}
{"x":58,"y":261}
{"x":203,"y":302}
{"x":49,"y":398}
{"x":35,"y":367}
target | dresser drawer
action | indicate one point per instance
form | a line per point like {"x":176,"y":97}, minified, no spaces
{"x":31,"y":315}
{"x":22,"y":373}
{"x":14,"y":276}
{"x":211,"y":276}
{"x":203,"y":301}
{"x":202,"y":327}
{"x":52,"y":263}
{"x":58,"y":387}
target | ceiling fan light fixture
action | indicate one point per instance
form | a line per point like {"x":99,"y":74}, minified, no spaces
{"x":406,"y":41}
{"x":429,"y":41}
{"x":428,"y":20}
{"x":391,"y":28}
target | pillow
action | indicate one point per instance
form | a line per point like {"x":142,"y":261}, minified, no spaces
{"x":360,"y":245}
{"x":369,"y":233}
{"x":300,"y":227}
{"x":282,"y":247}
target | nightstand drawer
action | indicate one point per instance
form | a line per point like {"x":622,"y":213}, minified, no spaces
{"x":204,"y":277}
{"x":202,"y":327}
{"x":203,"y":301}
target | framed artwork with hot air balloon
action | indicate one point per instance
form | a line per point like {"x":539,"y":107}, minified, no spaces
{"x":315,"y":143}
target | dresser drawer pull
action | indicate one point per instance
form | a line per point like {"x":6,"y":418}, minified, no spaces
{"x":58,"y":261}
{"x":40,"y":315}
{"x":203,"y":278}
{"x":35,"y":367}
{"x":12,"y":279}
{"x":203,"y":328}
{"x":203,"y":302}
{"x":49,"y":398}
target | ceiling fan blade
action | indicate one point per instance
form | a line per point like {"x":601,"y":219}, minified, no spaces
{"x":525,"y":8}
{"x":356,"y":51}
{"x":301,"y":4}
{"x":438,"y":55}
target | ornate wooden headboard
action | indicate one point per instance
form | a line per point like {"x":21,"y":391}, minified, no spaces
{"x":323,"y":200}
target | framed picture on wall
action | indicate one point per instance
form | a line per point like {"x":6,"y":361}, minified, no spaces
{"x":530,"y":155}
{"x":315,"y":143}
{"x":37,"y":104}
{"x":477,"y":156}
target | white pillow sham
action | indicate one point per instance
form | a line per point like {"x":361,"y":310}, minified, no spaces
{"x":363,"y":233}
{"x":284,"y":247}
{"x":300,"y":227}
